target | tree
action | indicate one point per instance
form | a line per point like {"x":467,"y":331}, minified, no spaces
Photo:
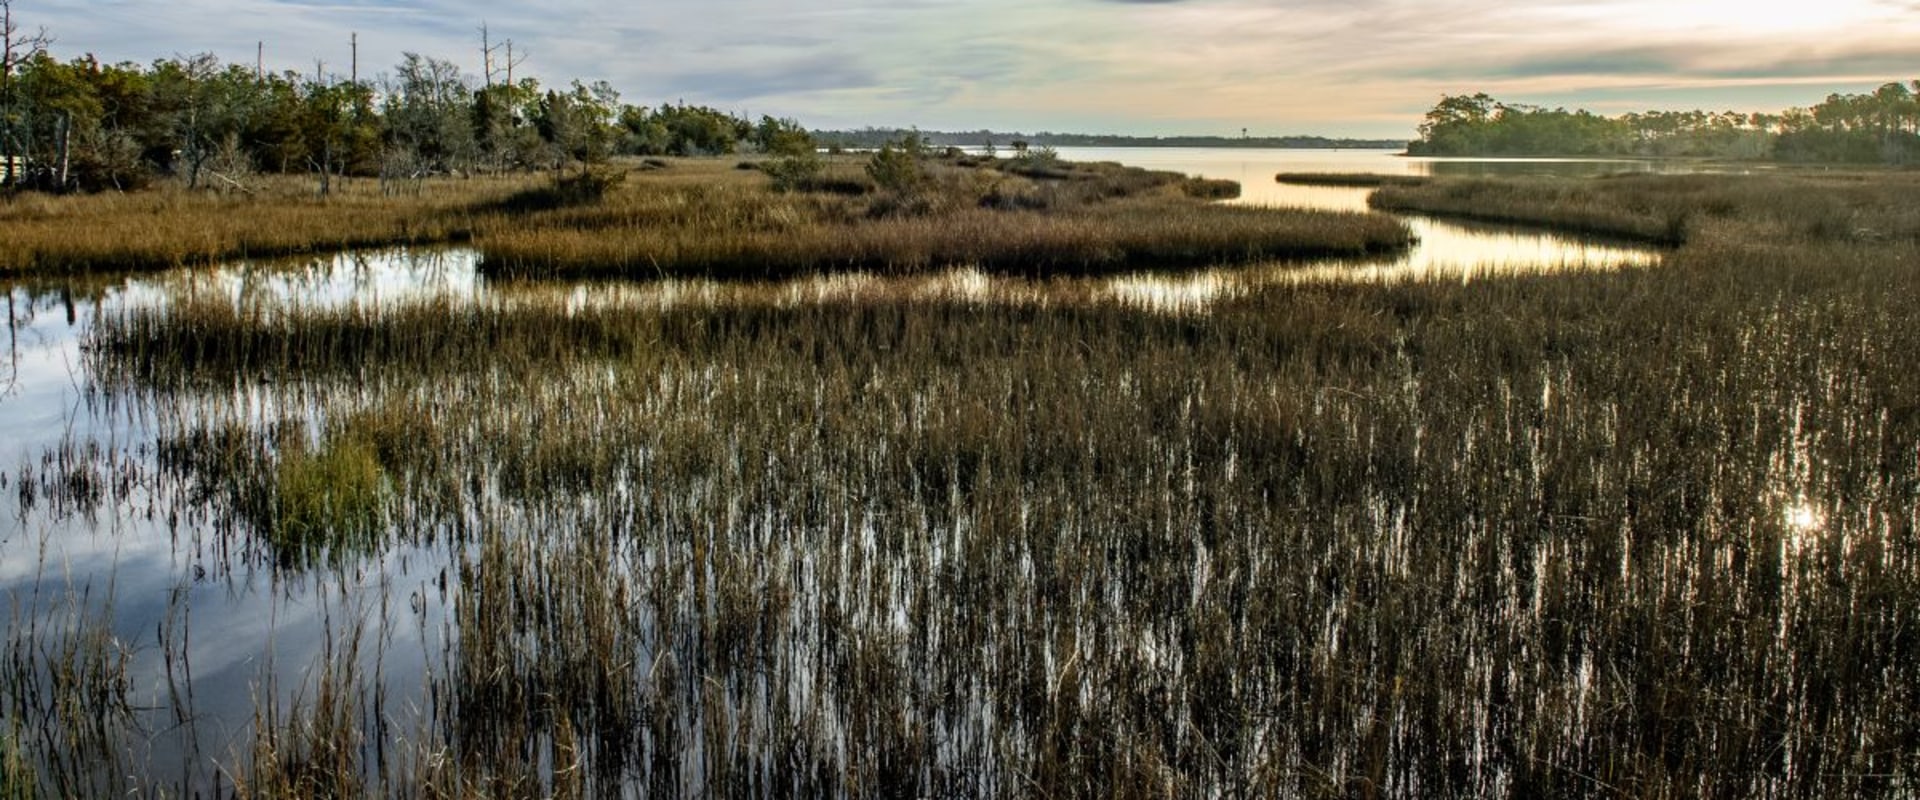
{"x":639,"y":132}
{"x":428,"y":116}
{"x":15,"y":114}
{"x":110,"y":148}
{"x":63,"y":109}
{"x":797,"y":158}
{"x":207,"y":107}
{"x":578,"y":124}
{"x":782,"y":137}
{"x":1455,"y":125}
{"x":502,"y":115}
{"x":339,"y":132}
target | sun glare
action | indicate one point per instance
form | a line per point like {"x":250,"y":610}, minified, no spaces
{"x":1803,"y":518}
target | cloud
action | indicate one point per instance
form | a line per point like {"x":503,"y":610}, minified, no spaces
{"x":1636,"y":61}
{"x":773,"y":79}
{"x":1151,"y":66}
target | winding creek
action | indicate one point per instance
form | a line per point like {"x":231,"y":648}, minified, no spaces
{"x":213,"y":634}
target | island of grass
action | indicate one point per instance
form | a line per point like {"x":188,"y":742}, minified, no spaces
{"x":1358,"y":180}
{"x":1021,"y":216}
{"x":707,"y":218}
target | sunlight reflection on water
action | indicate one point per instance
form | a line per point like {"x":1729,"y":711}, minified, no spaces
{"x":1446,"y":251}
{"x":44,"y":406}
{"x":372,"y":279}
{"x":1803,"y":518}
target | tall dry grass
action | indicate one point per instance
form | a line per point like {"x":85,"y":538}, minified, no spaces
{"x":699,"y":217}
{"x":1646,"y":533}
{"x":1075,"y":219}
{"x":1671,"y":209}
{"x":171,"y":226}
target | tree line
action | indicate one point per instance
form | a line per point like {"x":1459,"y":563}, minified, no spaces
{"x":871,"y":138}
{"x":85,"y":125}
{"x":1882,"y":126}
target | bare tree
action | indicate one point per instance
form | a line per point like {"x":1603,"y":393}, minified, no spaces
{"x":493,"y":64}
{"x":15,"y":49}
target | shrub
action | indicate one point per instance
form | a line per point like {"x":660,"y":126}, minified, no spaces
{"x":583,"y":188}
{"x":1211,"y":188}
{"x":793,"y":172}
{"x":896,"y":169}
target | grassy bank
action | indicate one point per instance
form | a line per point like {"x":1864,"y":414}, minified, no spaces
{"x":1645,"y":533}
{"x":1673,"y":209}
{"x":170,"y":226}
{"x":701,"y":217}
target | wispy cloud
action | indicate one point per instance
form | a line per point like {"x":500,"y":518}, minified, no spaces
{"x":1323,"y":66}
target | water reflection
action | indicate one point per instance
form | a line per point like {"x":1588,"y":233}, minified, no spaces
{"x":57,"y":424}
{"x":40,"y":370}
{"x":364,"y":279}
{"x":811,"y":598}
{"x":1803,"y":517}
{"x":1255,"y":168}
{"x":1446,"y":250}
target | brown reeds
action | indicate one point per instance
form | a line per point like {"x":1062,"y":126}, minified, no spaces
{"x":67,"y":725}
{"x":172,"y":226}
{"x":1001,"y":216}
{"x":1672,"y":209}
{"x":1647,"y":532}
{"x":703,"y":219}
{"x":1348,"y":179}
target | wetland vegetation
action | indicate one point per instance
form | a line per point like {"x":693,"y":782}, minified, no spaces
{"x":700,"y":217}
{"x":1644,"y":532}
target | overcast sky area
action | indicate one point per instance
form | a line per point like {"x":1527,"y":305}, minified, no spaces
{"x":1367,"y":68}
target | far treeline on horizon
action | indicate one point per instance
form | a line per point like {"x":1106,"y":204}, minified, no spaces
{"x":84,"y":125}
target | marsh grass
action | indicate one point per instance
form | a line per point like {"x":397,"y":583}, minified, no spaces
{"x":1783,"y":208}
{"x":1646,"y":533}
{"x":308,"y":502}
{"x":316,"y":750}
{"x":1001,"y":217}
{"x":1348,"y":179}
{"x":16,"y":775}
{"x":563,"y":190}
{"x":329,"y":497}
{"x":701,"y":218}
{"x":67,"y":725}
{"x":172,"y":226}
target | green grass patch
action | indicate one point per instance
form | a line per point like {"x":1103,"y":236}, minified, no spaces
{"x":326,"y":498}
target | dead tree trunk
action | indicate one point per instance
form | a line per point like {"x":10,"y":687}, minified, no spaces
{"x":66,"y":141}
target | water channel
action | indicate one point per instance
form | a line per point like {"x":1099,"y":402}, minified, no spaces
{"x":248,"y":630}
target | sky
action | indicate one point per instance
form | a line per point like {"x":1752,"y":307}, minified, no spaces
{"x":1360,"y":68}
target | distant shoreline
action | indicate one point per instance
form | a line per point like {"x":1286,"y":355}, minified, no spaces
{"x":875,"y":137}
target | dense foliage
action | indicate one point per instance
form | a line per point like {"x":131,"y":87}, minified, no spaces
{"x":1880,"y":127}
{"x":85,"y":125}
